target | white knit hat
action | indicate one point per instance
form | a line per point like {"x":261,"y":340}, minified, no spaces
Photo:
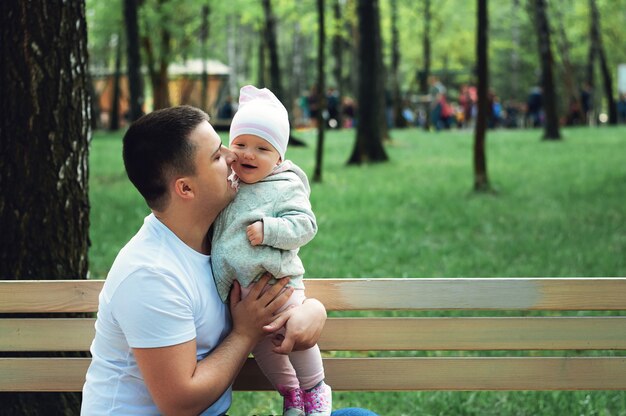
{"x":262,"y":114}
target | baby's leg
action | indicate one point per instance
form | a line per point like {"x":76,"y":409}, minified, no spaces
{"x":309,"y":367}
{"x":307,"y":363}
{"x":276,"y":367}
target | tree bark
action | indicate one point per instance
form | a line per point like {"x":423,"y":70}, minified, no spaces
{"x":321,"y":83}
{"x":44,"y":141}
{"x":133,"y":59}
{"x":596,"y":39}
{"x":368,"y":145}
{"x":481,"y":178}
{"x":551,"y":125}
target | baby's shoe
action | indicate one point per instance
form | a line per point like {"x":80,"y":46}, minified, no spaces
{"x":319,"y":400}
{"x":293,"y":401}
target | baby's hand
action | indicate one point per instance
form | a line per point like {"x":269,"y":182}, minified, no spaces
{"x":255,"y":233}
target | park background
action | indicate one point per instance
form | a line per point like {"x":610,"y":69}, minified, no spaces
{"x":553,"y":206}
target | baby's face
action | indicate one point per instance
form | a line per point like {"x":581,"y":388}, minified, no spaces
{"x":256,"y":158}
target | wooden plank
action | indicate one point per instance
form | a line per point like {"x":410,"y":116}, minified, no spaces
{"x":471,"y":293}
{"x":364,"y":294}
{"x":593,"y":373}
{"x":42,"y":296}
{"x":383,"y":334}
{"x":46,"y":334}
{"x":439,"y":334}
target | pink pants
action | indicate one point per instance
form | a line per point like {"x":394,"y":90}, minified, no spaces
{"x":299,"y":369}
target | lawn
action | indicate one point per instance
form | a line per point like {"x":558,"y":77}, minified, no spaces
{"x":558,"y":210}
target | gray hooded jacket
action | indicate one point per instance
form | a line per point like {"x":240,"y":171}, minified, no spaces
{"x":281,"y":201}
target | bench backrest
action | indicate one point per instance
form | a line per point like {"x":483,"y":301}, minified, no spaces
{"x":408,"y":334}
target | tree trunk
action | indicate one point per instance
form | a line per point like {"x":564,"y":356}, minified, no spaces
{"x":398,"y":119}
{"x":44,"y":140}
{"x":157,"y":66}
{"x":382,"y":77}
{"x":272,"y":49}
{"x":574,"y":108}
{"x":596,"y":38}
{"x":274,"y":75}
{"x":114,"y":118}
{"x":204,"y":35}
{"x":368,"y":145}
{"x":481,"y":179}
{"x":338,"y":58}
{"x":516,"y":90}
{"x":262,"y":70}
{"x":425,"y":74}
{"x":551,"y":125}
{"x":133,"y":59}
{"x":321,"y":83}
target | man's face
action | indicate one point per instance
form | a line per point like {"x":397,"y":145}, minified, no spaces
{"x":212,"y":162}
{"x":256,"y":157}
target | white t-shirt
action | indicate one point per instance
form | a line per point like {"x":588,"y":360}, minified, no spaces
{"x":159,"y":292}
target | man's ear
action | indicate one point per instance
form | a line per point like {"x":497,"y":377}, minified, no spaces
{"x":183,"y":188}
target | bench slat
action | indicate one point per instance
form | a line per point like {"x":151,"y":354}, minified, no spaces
{"x":362,"y":294}
{"x":468,"y":294}
{"x":67,"y":374}
{"x":359,"y":334}
{"x":42,"y":296}
{"x":440,"y":334}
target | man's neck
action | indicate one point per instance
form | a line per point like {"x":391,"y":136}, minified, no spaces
{"x":190,"y":231}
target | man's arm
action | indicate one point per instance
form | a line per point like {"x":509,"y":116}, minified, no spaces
{"x":179,"y":385}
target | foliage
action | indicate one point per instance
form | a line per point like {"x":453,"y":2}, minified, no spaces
{"x":453,"y":30}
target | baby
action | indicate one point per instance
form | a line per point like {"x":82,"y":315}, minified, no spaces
{"x":262,"y":230}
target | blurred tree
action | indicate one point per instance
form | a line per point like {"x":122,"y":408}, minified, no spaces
{"x":204,"y":36}
{"x":321,"y":83}
{"x":133,"y":60}
{"x":598,"y":48}
{"x":452,"y":29}
{"x":426,"y":59}
{"x":481,"y":179}
{"x":572,"y":96}
{"x":398,"y":119}
{"x":158,"y":57}
{"x":426,"y":54}
{"x":272,"y":50}
{"x":44,"y":141}
{"x":337,"y":48}
{"x":551,"y":122}
{"x":368,"y":146}
{"x":114,"y":118}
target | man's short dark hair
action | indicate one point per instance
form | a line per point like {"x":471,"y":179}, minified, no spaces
{"x":157,"y":146}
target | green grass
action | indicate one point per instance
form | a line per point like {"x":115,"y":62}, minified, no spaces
{"x":559,"y":210}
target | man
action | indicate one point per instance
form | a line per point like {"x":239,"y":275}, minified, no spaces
{"x":165,"y":343}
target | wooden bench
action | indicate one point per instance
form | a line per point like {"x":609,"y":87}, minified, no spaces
{"x":467,"y":334}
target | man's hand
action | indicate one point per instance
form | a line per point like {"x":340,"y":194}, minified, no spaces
{"x":303,"y":326}
{"x":254,"y":312}
{"x":254,"y":232}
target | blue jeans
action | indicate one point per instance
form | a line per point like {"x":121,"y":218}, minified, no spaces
{"x":353,"y":411}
